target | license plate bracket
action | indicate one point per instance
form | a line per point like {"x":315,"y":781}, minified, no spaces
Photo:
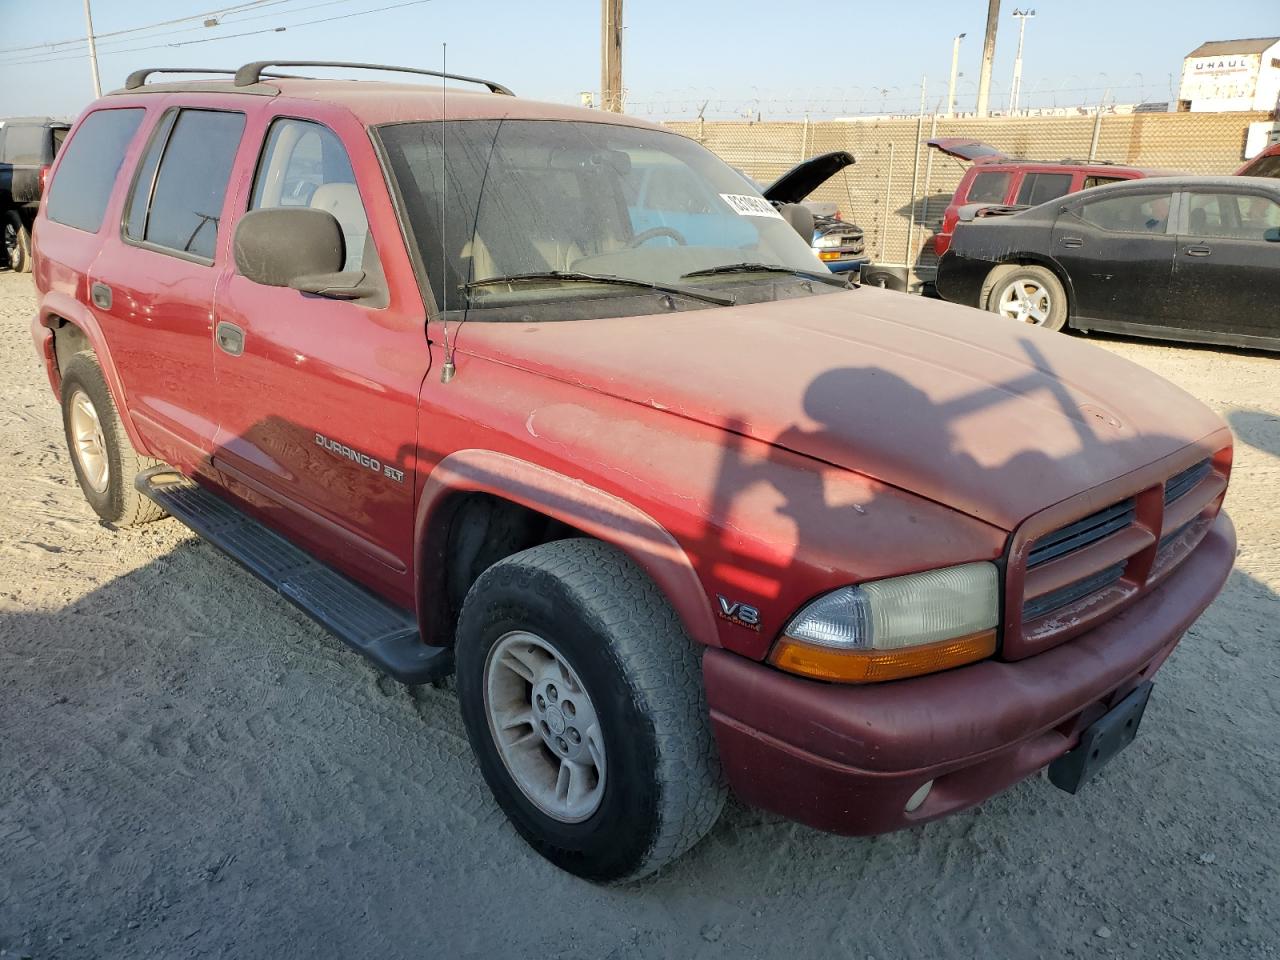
{"x":1101,"y":741}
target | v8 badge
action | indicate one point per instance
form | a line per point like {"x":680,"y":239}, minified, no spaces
{"x":739,"y":613}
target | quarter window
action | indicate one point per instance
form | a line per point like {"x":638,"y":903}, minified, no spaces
{"x":183,"y":182}
{"x":1130,"y":213}
{"x":1231,"y":216}
{"x":989,"y":188}
{"x":80,"y":192}
{"x":305,"y":165}
{"x":1038,"y":188}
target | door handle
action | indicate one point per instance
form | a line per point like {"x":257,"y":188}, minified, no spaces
{"x":230,"y":338}
{"x":1199,"y":250}
{"x":100,"y":294}
{"x":1072,"y":242}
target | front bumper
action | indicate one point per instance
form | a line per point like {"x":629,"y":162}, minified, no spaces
{"x":847,"y":758}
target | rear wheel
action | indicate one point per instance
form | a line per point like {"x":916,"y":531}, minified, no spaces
{"x":1027,"y":294}
{"x":582,"y":697}
{"x":104,"y":460}
{"x":17,"y":242}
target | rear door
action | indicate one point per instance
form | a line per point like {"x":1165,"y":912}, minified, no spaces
{"x":154,"y":281}
{"x":1226,"y":277}
{"x":318,"y":397}
{"x":1118,"y":251}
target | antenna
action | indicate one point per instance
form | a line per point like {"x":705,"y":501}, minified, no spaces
{"x":448,"y":370}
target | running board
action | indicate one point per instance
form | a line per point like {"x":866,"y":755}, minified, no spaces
{"x":383,"y":632}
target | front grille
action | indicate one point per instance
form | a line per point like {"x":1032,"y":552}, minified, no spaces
{"x":1065,"y":579}
{"x":1080,"y":534}
{"x":1181,"y":483}
{"x":1072,"y":592}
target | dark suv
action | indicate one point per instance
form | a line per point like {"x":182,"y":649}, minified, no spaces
{"x":27,"y":148}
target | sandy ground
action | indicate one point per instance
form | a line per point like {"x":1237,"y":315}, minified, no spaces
{"x":190,"y":768}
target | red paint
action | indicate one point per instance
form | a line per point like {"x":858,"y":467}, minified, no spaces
{"x":765,"y":453}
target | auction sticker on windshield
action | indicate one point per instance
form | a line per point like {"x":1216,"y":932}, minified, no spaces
{"x":746,"y":206}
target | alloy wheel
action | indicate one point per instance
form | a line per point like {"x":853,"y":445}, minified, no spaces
{"x":1026,"y":301}
{"x":90,"y":445}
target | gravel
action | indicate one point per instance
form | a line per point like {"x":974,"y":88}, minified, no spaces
{"x":191,"y":768}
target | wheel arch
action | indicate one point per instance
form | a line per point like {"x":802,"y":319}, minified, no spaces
{"x":1027,"y":258}
{"x":572,"y":506}
{"x":62,"y":316}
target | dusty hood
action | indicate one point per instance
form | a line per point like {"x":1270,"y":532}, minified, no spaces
{"x":993,"y":418}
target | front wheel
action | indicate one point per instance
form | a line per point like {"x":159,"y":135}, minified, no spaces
{"x":582,"y":698}
{"x":1027,"y":294}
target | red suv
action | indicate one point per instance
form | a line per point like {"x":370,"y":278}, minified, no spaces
{"x":683,"y":510}
{"x":995,"y":179}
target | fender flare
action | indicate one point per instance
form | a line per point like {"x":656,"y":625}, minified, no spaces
{"x":569,"y":500}
{"x":56,"y":306}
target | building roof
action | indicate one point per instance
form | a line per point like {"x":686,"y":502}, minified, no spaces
{"x":1220,"y":48}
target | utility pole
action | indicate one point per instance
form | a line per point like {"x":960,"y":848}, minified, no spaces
{"x":610,"y":55}
{"x":955,"y":66}
{"x":988,"y":54}
{"x":1015,"y":91}
{"x":93,"y":51}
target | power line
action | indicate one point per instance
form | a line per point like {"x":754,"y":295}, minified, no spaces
{"x":229,"y":36}
{"x":49,"y":44}
{"x":198,"y":28}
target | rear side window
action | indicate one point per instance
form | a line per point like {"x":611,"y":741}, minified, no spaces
{"x":79,"y":193}
{"x":1038,"y":188}
{"x":1231,"y":216}
{"x":26,"y":144}
{"x":989,"y":188}
{"x":1090,"y":182}
{"x":184,"y":180}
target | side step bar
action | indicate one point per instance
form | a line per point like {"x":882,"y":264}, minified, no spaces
{"x":383,"y":632}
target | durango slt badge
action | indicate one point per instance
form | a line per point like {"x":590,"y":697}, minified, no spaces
{"x":355,"y":456}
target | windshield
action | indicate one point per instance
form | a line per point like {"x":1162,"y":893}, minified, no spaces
{"x":532,"y":197}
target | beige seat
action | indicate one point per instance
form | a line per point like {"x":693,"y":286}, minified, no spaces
{"x":343,"y":201}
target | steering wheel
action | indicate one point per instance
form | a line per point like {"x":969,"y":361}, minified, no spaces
{"x":645,"y":236}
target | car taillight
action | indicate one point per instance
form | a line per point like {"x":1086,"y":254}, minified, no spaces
{"x":44,"y":178}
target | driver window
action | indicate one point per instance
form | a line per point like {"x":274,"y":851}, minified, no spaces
{"x":304,"y":165}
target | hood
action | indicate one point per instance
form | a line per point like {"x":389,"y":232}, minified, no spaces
{"x":804,"y":178}
{"x":963,"y":148}
{"x":990,"y":417}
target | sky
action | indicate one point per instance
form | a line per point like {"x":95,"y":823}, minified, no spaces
{"x":729,"y":57}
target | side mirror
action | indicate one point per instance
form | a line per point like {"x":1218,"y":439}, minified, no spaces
{"x":1271,"y":234}
{"x":297,"y":247}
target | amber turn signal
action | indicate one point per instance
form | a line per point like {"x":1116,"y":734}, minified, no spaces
{"x":873,"y":666}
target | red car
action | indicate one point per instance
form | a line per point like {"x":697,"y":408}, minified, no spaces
{"x":1265,"y":164}
{"x":551,"y":397}
{"x":996,"y":179}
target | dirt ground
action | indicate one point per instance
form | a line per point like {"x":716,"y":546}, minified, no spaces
{"x":190,"y":768}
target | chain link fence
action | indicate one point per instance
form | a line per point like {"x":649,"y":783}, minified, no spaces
{"x":899,"y":187}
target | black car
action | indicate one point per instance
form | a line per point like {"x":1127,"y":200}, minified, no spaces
{"x":1179,"y":258}
{"x":27,"y":148}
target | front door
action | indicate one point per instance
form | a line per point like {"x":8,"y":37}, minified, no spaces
{"x":1118,"y":252}
{"x":153,"y":283}
{"x":1226,"y":277}
{"x":318,"y":398}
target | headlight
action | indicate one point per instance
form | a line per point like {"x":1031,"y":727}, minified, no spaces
{"x":826,"y":242}
{"x":894,"y":628}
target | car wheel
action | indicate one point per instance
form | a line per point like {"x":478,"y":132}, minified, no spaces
{"x":104,"y":460}
{"x":1027,"y":294}
{"x":17,"y":243}
{"x":582,"y":698}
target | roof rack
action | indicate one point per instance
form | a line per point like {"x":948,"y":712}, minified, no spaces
{"x":250,"y":73}
{"x":139,"y":77}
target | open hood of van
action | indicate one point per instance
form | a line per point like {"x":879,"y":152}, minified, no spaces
{"x":804,"y":178}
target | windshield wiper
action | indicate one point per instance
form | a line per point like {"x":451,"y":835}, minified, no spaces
{"x":572,"y":277}
{"x":765,"y":268}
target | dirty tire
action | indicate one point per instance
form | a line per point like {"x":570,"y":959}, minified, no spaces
{"x":119,"y":503}
{"x":17,"y":242}
{"x":663,"y":790}
{"x":1002,"y":277}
